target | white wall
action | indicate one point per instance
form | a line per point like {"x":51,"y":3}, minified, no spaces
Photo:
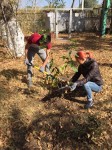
{"x":79,"y":22}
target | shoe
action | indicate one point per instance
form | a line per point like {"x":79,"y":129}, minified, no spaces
{"x":89,"y":104}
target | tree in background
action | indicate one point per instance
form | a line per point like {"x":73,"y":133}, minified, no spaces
{"x":72,"y":3}
{"x":7,"y":7}
{"x":89,"y":3}
{"x":56,"y":3}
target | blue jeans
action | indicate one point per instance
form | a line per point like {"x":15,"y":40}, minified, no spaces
{"x":91,"y":86}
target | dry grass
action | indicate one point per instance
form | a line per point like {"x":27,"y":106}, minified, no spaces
{"x":60,"y":122}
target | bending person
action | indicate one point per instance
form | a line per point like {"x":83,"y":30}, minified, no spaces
{"x":36,"y":44}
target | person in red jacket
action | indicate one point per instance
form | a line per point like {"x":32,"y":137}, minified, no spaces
{"x":92,"y":80}
{"x":36,"y":44}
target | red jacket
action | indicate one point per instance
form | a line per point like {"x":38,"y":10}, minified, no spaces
{"x":35,"y":38}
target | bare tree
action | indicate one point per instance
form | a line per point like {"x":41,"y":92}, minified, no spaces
{"x":55,"y":3}
{"x":72,"y":3}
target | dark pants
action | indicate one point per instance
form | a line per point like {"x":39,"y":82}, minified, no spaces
{"x":34,"y":49}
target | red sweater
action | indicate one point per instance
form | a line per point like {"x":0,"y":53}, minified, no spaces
{"x":34,"y":39}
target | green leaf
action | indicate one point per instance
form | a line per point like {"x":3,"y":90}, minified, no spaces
{"x":62,"y":68}
{"x":71,"y":64}
{"x":64,"y":57}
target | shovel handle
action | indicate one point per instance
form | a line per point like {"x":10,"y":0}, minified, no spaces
{"x":39,"y":68}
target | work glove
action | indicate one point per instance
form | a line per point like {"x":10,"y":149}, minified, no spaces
{"x":73,"y":87}
{"x":27,"y":62}
{"x":42,"y":69}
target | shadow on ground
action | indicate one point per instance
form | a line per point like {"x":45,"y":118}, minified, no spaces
{"x":12,"y":73}
{"x":60,"y":130}
{"x":18,"y":131}
{"x":79,"y":92}
{"x":4,"y":90}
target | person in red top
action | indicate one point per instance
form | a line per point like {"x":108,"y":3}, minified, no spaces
{"x":36,"y":43}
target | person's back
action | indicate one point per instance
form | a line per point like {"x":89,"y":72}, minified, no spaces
{"x":41,"y":40}
{"x":34,"y":38}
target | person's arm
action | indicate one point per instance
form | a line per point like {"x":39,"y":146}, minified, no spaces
{"x":74,"y":80}
{"x":26,"y":50}
{"x":76,"y":76}
{"x":47,"y":57}
{"x":28,"y":40}
{"x":26,"y":54}
{"x":48,"y":48}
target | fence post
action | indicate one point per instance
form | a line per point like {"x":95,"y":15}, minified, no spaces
{"x":82,"y":4}
{"x":56,"y":23}
{"x":70,"y":23}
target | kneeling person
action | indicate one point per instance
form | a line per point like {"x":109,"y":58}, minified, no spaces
{"x":92,"y":80}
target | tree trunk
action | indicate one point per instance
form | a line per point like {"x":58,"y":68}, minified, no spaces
{"x":72,"y":3}
{"x":6,"y":29}
{"x":12,"y":34}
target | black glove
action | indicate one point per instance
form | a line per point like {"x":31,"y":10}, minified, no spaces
{"x":73,"y":87}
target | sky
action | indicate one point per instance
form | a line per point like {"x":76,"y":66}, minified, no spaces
{"x":42,"y":3}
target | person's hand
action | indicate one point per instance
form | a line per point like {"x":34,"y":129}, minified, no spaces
{"x":73,"y":87}
{"x":27,"y":62}
{"x":42,"y":69}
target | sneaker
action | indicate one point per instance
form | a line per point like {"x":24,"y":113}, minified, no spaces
{"x":89,"y":104}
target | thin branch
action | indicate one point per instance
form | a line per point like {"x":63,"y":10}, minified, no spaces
{"x":72,"y":3}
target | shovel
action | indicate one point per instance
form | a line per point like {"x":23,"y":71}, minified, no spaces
{"x":63,"y":87}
